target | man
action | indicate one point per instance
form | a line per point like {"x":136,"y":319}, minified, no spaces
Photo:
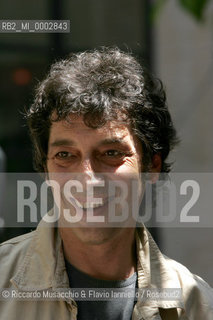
{"x":100,"y":127}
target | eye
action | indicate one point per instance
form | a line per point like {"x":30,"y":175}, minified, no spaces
{"x":64,"y":155}
{"x":114,"y":153}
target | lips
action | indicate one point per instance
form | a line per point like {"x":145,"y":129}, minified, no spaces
{"x":92,"y":203}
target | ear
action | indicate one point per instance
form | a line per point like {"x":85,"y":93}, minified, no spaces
{"x":155,"y":168}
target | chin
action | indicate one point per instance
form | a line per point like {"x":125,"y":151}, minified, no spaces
{"x":95,"y":236}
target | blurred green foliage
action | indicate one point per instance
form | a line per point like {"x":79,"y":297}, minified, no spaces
{"x":195,"y":8}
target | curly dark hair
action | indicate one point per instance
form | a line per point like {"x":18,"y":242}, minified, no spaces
{"x":103,"y":85}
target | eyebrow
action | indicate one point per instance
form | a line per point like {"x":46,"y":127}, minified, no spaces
{"x":63,"y":142}
{"x":71,"y":143}
{"x":112,"y":141}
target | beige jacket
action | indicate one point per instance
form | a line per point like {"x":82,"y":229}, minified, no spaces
{"x":35,"y":261}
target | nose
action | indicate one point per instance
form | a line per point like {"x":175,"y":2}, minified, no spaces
{"x":89,"y":178}
{"x":88,"y":172}
{"x":87,"y":168}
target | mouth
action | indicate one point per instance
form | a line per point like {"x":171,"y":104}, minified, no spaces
{"x":88,"y":205}
{"x":94,"y":211}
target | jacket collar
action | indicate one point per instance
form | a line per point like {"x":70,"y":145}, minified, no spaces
{"x":154,"y":271}
{"x":44,"y":267}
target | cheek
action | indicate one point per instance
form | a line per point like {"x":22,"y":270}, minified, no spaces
{"x":131,"y":166}
{"x":58,"y":176}
{"x":129,"y":175}
{"x":50,"y":165}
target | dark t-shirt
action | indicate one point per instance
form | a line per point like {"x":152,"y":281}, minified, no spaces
{"x":112,"y":309}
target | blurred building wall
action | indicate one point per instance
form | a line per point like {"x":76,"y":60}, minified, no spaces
{"x":184,"y":61}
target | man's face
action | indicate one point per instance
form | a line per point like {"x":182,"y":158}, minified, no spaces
{"x":98,"y":158}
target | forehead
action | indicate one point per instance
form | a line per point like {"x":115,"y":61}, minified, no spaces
{"x":75,"y":127}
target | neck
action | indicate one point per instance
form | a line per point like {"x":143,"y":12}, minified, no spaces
{"x":113,"y":259}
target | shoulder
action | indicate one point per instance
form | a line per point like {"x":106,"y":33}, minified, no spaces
{"x":186,"y":277}
{"x":15,"y":244}
{"x":196,"y":293}
{"x":12,"y":253}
